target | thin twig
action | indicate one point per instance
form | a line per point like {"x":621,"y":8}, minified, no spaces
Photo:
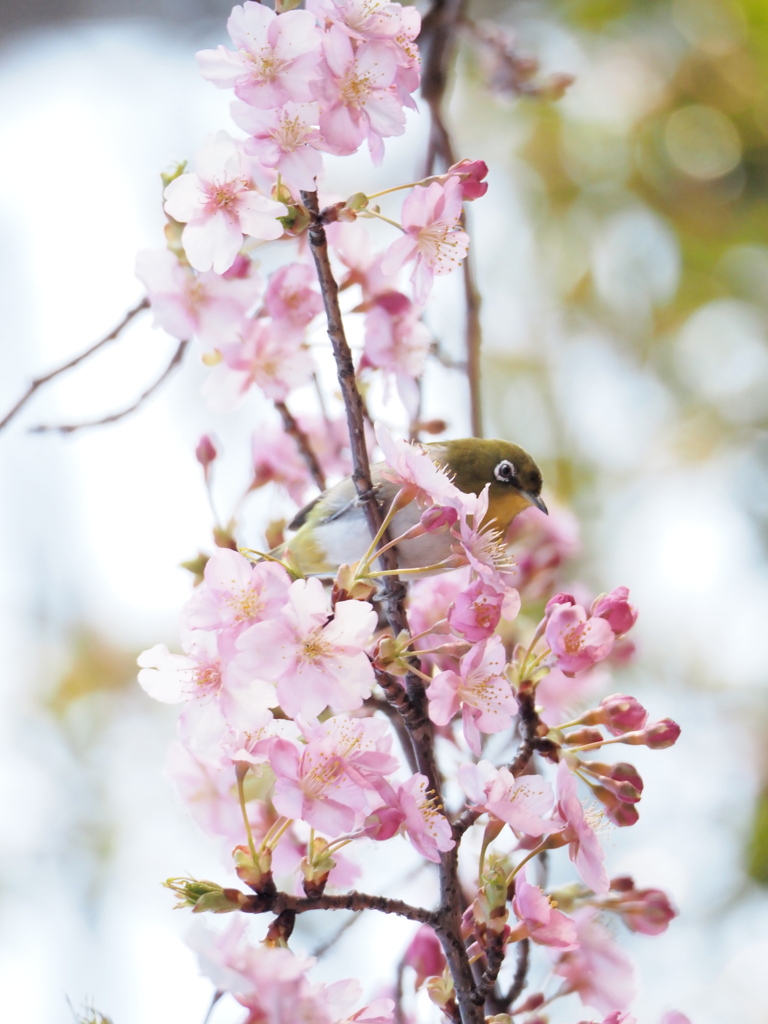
{"x":280,"y":902}
{"x":39,"y":381}
{"x":69,"y":428}
{"x":216,"y":997}
{"x":292,"y":428}
{"x":521,"y":972}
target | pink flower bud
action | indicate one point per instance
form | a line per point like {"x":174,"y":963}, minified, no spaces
{"x":560,"y":598}
{"x":438,"y":515}
{"x":622,"y":714}
{"x":425,"y":955}
{"x":616,"y":610}
{"x":580,"y":737}
{"x":205,"y":453}
{"x":471,"y":173}
{"x":647,"y":911}
{"x":383,"y":823}
{"x":657,"y":736}
{"x":662,"y":734}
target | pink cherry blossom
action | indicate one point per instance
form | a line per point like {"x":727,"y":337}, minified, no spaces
{"x":616,"y":610}
{"x":195,"y":675}
{"x":285,"y":139}
{"x":480,"y":545}
{"x":471,"y":174}
{"x":292,"y":296}
{"x":277,"y":56}
{"x":269,"y":356}
{"x":577,"y":642}
{"x":428,"y":602}
{"x":543,"y":923}
{"x":235,"y":593}
{"x":326,"y":782}
{"x":477,"y":611}
{"x":521,"y":803}
{"x":313,"y":661}
{"x":357,"y":101}
{"x":185,"y":304}
{"x":433,"y":237}
{"x":408,"y":465}
{"x":480,"y":689}
{"x":559,"y":695}
{"x":583,"y":845}
{"x":276,"y":458}
{"x":219,"y":205}
{"x":541,"y":545}
{"x":396,"y":342}
{"x":423,"y":822}
{"x":598,"y":970}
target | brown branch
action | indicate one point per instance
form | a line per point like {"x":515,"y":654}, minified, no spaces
{"x":521,"y":972}
{"x":280,"y":902}
{"x":495,"y":958}
{"x":291,"y":427}
{"x":530,"y":723}
{"x":69,"y":428}
{"x":39,"y":381}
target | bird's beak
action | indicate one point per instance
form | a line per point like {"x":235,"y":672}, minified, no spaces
{"x":534,"y":499}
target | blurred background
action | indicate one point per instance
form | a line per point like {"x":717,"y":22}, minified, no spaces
{"x":622,"y":255}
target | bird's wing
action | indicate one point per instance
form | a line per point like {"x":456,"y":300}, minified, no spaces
{"x":329,"y":506}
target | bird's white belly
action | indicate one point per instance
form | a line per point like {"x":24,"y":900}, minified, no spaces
{"x":346,"y":540}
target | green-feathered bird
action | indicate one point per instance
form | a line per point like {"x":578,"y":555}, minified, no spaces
{"x":333,"y":530}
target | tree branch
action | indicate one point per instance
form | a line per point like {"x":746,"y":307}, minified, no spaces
{"x":280,"y":902}
{"x":39,"y":381}
{"x":69,"y":428}
{"x":291,"y":427}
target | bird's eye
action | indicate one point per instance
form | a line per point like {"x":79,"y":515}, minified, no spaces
{"x":505,"y":472}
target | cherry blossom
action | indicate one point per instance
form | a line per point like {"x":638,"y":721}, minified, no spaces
{"x":542,"y":922}
{"x":285,"y":139}
{"x":576,"y":640}
{"x":236,"y":593}
{"x":327,"y":781}
{"x":208,"y":306}
{"x":423,"y":822}
{"x":313,"y":661}
{"x":433,"y":237}
{"x":219,"y":205}
{"x":477,"y":611}
{"x":276,"y":458}
{"x":269,"y":356}
{"x":409,"y":466}
{"x":195,"y":675}
{"x":521,"y":803}
{"x":292,"y":296}
{"x":357,"y":101}
{"x":397,"y":342}
{"x":276,"y":60}
{"x":479,"y":689}
{"x":583,"y":845}
{"x":597,"y":970}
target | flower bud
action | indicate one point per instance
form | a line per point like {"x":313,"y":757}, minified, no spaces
{"x":472,"y":173}
{"x":425,"y":955}
{"x":559,"y":598}
{"x":662,"y":734}
{"x":616,"y":610}
{"x":647,"y":911}
{"x":206,"y":453}
{"x":257,"y":874}
{"x":618,"y":713}
{"x":581,"y":737}
{"x":203,"y":896}
{"x":436,"y":516}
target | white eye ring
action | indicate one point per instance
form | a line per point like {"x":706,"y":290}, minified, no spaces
{"x":505,"y":471}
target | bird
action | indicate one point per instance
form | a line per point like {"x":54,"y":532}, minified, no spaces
{"x":332,"y":530}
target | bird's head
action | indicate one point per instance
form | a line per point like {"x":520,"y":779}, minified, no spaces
{"x":514,"y":478}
